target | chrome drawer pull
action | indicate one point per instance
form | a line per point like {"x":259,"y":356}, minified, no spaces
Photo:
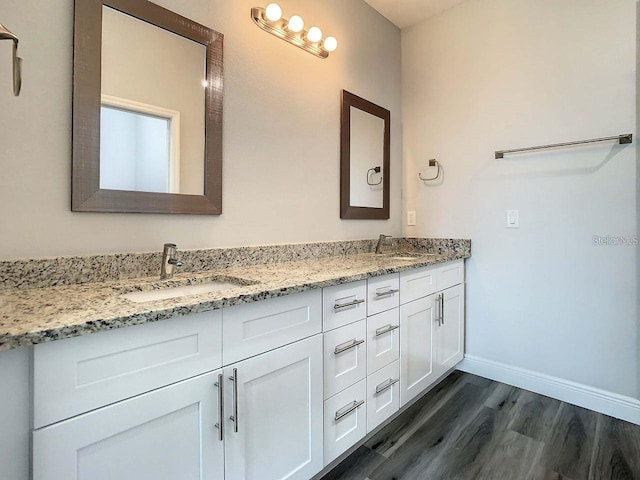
{"x":218,"y":425}
{"x":387,"y":293}
{"x":343,"y":347}
{"x":383,"y":386}
{"x":349,"y":408}
{"x":354,"y":303}
{"x":234,"y":418}
{"x":387,"y":329}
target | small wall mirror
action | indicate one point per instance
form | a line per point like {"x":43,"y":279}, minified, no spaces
{"x":147,"y":116}
{"x":364,"y":159}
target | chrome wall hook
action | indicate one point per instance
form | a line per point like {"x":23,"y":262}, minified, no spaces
{"x":5,"y":34}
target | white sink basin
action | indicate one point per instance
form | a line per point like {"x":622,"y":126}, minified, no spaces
{"x":179,"y":291}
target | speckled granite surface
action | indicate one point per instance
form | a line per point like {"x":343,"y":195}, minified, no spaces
{"x":39,"y":309}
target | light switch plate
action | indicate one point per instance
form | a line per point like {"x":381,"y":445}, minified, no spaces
{"x":513,"y":220}
{"x":411,"y":218}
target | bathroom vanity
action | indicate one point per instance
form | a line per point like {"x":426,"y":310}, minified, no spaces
{"x":278,"y":377}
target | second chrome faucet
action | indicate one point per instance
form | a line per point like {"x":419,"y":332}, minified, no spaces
{"x":169,"y":261}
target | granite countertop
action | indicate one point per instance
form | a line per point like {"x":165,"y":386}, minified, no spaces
{"x":37,"y":315}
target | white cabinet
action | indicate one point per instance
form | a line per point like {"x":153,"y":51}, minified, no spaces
{"x":254,"y":328}
{"x":383,"y":339}
{"x":383,"y":293}
{"x":383,"y":394}
{"x":417,"y":359}
{"x":343,"y":304}
{"x":165,"y":434}
{"x":80,"y":374}
{"x":273,"y":414}
{"x":450,"y":337}
{"x":431,"y":328}
{"x":345,"y":357}
{"x":345,"y":420}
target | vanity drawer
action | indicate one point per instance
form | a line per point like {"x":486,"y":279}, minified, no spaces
{"x":75,"y":375}
{"x":345,"y":420}
{"x":383,"y":293}
{"x":254,"y":328}
{"x":345,"y":357}
{"x":343,"y":304}
{"x":383,"y":394}
{"x":383,"y":339}
{"x":450,"y":274}
{"x":418,"y":283}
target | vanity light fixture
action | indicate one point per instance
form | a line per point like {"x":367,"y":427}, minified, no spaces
{"x":5,"y":34}
{"x":292,"y":30}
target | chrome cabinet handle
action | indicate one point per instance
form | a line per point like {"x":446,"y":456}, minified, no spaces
{"x":338,"y":306}
{"x":234,"y":417}
{"x":347,"y":409}
{"x":383,"y":386}
{"x":218,"y":425}
{"x":343,"y":347}
{"x":387,"y":329}
{"x":442,"y":308}
{"x":387,"y":293}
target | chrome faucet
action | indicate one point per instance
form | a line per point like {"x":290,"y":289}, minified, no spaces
{"x":169,"y":261}
{"x":381,"y":242}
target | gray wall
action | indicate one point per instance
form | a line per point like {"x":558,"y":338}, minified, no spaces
{"x":281,"y":133}
{"x":499,"y":74}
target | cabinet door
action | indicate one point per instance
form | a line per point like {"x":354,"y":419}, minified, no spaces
{"x":165,"y":434}
{"x":253,"y":328}
{"x":383,"y":395}
{"x":343,"y":304}
{"x":345,"y":420}
{"x":275,"y":400}
{"x":345,"y":357}
{"x":383,"y":339}
{"x":450,"y":349}
{"x":417,"y":359}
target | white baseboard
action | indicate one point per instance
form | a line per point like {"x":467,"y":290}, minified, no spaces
{"x":612,"y":404}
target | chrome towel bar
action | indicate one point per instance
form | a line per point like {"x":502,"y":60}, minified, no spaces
{"x":624,"y":138}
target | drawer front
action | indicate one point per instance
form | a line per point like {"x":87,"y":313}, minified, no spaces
{"x":383,"y":293}
{"x":343,"y":304}
{"x":383,"y":339}
{"x":450,"y":274}
{"x":383,"y":394}
{"x":75,"y":375}
{"x":345,"y":420}
{"x":345,"y":357}
{"x":254,"y":328}
{"x":415,"y":284}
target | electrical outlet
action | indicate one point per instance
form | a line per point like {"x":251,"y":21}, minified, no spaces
{"x":411,"y":218}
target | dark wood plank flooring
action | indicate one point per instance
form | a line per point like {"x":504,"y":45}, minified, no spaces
{"x":472,"y":428}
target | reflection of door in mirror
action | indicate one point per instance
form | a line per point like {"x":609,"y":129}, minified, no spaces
{"x":367,"y":171}
{"x":151,"y":132}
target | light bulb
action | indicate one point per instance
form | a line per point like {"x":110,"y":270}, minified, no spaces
{"x":314,"y":34}
{"x":296,"y":24}
{"x":330,"y":44}
{"x":273,"y":12}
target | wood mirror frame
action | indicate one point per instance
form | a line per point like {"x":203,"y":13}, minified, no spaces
{"x":87,"y":196}
{"x":347,"y":211}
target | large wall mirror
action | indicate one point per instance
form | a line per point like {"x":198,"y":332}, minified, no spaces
{"x":147,"y":110}
{"x":364,"y":159}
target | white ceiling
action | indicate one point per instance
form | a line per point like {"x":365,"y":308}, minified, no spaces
{"x":405,"y":13}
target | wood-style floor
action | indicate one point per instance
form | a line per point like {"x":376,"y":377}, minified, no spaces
{"x":472,"y":428}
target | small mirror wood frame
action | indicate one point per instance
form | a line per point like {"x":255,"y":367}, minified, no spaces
{"x":347,"y":211}
{"x":86,"y":194}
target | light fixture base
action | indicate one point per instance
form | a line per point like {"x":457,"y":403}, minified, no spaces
{"x":278,"y":29}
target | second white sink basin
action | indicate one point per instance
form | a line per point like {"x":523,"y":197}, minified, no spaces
{"x":179,"y":291}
